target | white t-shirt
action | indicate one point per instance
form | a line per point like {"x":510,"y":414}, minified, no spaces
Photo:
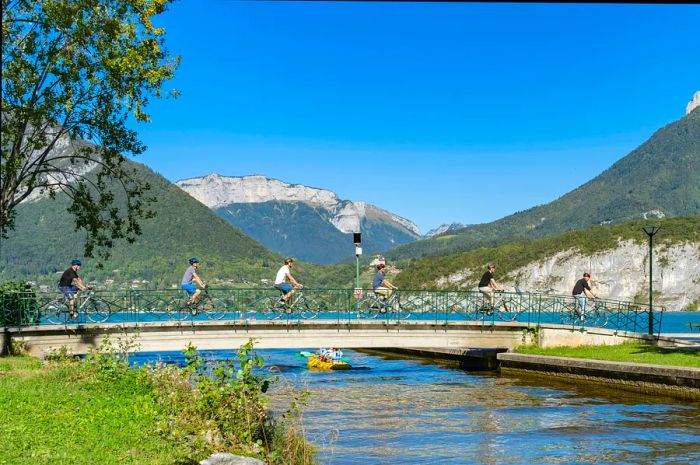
{"x":282,"y":275}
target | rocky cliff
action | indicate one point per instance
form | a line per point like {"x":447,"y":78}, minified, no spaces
{"x":216,"y":191}
{"x":694,"y":103}
{"x":621,"y":273}
{"x":305,"y":222}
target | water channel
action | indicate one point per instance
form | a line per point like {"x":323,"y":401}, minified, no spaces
{"x":402,"y":410}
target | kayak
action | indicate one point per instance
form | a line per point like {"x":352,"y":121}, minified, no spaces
{"x":315,"y":362}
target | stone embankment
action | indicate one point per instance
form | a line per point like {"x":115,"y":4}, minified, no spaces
{"x":678,"y":382}
{"x":649,"y":379}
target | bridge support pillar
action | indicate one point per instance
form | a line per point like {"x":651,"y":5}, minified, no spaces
{"x":4,"y":341}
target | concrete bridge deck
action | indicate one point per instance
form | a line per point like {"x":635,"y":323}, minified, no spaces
{"x":211,"y":335}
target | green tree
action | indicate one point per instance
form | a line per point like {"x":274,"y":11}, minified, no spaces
{"x":76,"y":71}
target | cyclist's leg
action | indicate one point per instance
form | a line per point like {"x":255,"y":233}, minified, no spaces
{"x":383,"y":293}
{"x":191,"y":290}
{"x":489,"y":296}
{"x":287,"y":291}
{"x":580,"y":306}
{"x":70,"y":292}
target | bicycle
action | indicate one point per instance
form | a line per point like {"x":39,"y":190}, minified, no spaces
{"x":506,"y":307}
{"x":96,"y":310}
{"x":307,"y":307}
{"x":212,"y":308}
{"x":597,"y":315}
{"x":373,"y":305}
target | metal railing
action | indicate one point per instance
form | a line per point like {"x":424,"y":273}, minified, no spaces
{"x":21,"y":309}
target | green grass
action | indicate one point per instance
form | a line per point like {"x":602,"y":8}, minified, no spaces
{"x":630,"y":352}
{"x":54,"y":415}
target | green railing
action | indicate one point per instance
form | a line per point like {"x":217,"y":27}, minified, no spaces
{"x":21,"y":309}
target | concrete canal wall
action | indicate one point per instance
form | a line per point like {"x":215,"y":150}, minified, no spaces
{"x":678,"y":382}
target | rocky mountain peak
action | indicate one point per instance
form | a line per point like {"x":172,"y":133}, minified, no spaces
{"x":694,"y":103}
{"x":216,"y":191}
{"x":443,"y":228}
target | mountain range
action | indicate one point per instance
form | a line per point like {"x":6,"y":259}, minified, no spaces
{"x":305,"y":222}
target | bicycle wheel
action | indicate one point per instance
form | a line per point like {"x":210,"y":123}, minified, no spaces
{"x":507,"y":310}
{"x":308,"y":308}
{"x":97,"y":311}
{"x":213,"y":308}
{"x":178,"y":309}
{"x":599,"y":316}
{"x":56,"y":312}
{"x":370,"y":307}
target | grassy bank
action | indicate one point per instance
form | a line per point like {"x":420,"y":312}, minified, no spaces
{"x":99,"y":411}
{"x":631,"y":352}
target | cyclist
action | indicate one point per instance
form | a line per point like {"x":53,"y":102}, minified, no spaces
{"x":284,"y":274}
{"x":488,"y":285}
{"x":382,"y":286}
{"x":582,"y":290}
{"x":70,"y":283}
{"x":189,"y":276}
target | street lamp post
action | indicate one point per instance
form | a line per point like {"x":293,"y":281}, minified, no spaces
{"x":650,"y":231}
{"x":357,"y":240}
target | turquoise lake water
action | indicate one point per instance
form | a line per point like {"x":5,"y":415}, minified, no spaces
{"x":402,"y":410}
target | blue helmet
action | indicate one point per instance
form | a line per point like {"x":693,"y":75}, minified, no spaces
{"x":194,"y":260}
{"x":75,"y":261}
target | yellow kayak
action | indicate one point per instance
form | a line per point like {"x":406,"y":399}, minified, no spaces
{"x":315,"y":362}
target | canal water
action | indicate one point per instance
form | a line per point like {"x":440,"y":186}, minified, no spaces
{"x":403,"y":410}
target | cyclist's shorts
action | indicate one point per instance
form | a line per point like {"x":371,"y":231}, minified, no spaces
{"x":69,"y":291}
{"x":190,"y":288}
{"x":284,"y":287}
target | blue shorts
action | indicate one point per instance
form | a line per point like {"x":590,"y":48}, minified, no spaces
{"x":69,"y":291}
{"x":285,"y":288}
{"x":190,"y":288}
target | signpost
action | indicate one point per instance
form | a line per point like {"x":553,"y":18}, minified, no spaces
{"x":357,"y":240}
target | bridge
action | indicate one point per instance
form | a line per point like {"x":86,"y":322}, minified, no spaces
{"x":161,"y":320}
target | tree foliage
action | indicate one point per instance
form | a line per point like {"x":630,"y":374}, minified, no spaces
{"x":76,"y":71}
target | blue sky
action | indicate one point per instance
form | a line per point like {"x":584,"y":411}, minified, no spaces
{"x":438,"y":112}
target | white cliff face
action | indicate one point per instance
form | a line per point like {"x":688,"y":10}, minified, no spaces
{"x":217,"y":191}
{"x":694,"y":103}
{"x":619,"y":274}
{"x":443,"y":228}
{"x":64,"y":174}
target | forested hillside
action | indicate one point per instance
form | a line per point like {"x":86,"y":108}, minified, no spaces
{"x":44,"y":242}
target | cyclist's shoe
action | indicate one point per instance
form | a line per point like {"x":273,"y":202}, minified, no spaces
{"x":73,"y":315}
{"x":193,"y":311}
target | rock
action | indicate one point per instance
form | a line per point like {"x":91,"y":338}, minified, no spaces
{"x":224,"y":458}
{"x":216,"y":191}
{"x":694,"y":103}
{"x":618,"y":274}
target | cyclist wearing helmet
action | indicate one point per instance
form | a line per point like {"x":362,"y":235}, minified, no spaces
{"x":70,"y":283}
{"x":189,"y":276}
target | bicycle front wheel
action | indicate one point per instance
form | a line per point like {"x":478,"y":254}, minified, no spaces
{"x":507,"y":311}
{"x":213,"y":308}
{"x":308,"y":308}
{"x":369,"y":308}
{"x":98,"y":311}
